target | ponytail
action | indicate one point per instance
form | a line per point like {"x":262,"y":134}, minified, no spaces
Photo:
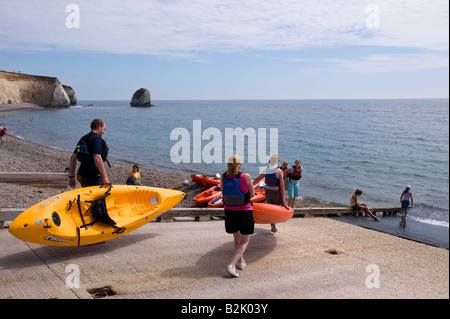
{"x":234,"y":164}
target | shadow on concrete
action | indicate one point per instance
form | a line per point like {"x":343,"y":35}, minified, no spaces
{"x":262,"y":243}
{"x":38,"y":255}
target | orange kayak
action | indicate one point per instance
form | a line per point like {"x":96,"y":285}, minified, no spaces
{"x":197,"y":178}
{"x":216,"y":202}
{"x":205,"y":180}
{"x":208,"y":195}
{"x":271,"y":214}
{"x":260,"y":194}
{"x":210,"y":181}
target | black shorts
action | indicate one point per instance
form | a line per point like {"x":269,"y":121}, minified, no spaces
{"x":239,"y":220}
{"x":273,"y":197}
{"x":90,"y":181}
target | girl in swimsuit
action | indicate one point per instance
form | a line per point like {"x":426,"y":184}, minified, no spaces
{"x":405,"y":199}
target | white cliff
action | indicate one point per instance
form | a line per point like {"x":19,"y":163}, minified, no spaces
{"x":17,"y":88}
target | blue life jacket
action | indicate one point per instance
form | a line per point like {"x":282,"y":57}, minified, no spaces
{"x":232,"y":195}
{"x":83,"y":153}
{"x":272,"y":179}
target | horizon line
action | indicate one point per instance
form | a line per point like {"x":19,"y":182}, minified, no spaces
{"x":275,"y":99}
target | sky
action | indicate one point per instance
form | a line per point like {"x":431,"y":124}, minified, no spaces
{"x":230,"y":49}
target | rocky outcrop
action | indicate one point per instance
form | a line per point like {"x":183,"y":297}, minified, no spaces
{"x":17,"y":88}
{"x":141,"y":98}
{"x":71,"y":94}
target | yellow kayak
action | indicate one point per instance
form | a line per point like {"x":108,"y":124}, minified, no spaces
{"x":91,"y":215}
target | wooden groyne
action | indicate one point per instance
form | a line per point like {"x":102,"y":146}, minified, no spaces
{"x":35,"y":178}
{"x":8,"y":214}
{"x":205,"y":214}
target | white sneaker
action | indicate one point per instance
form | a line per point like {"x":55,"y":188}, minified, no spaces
{"x":232,"y":271}
{"x":241,"y":266}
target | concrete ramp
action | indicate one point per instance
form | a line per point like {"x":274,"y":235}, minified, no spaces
{"x":306,"y":258}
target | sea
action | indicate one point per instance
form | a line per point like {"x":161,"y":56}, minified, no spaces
{"x":377,"y":145}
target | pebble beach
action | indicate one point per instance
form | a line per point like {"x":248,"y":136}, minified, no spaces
{"x":25,"y":156}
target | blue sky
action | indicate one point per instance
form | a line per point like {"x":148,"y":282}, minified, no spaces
{"x":210,"y":49}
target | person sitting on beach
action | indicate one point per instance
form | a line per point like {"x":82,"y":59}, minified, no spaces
{"x":405,"y":199}
{"x":293,"y":175}
{"x":134,"y":178}
{"x":237,"y":189}
{"x":3,"y":136}
{"x":355,"y":205}
{"x":92,"y":171}
{"x":274,"y":178}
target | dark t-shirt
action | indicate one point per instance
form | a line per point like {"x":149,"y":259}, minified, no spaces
{"x":95,"y":146}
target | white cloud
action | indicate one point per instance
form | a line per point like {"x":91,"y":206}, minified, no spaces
{"x":379,"y":63}
{"x":190,"y":27}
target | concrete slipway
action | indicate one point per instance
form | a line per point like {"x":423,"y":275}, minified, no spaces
{"x":187,"y":259}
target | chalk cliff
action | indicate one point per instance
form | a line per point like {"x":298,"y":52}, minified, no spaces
{"x":71,"y":94}
{"x":17,"y":88}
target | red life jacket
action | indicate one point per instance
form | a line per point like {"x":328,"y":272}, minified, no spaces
{"x":297,"y":174}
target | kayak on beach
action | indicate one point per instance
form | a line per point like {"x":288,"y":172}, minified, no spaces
{"x":206,"y":180}
{"x":207,"y":196}
{"x":91,"y":215}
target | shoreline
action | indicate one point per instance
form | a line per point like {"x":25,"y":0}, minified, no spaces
{"x":29,"y":156}
{"x":11,"y":108}
{"x":149,"y":175}
{"x":25,"y":155}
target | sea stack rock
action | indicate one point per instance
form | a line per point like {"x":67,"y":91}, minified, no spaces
{"x":71,"y":94}
{"x":141,"y":98}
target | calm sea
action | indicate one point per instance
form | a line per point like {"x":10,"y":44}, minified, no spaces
{"x":378,"y":146}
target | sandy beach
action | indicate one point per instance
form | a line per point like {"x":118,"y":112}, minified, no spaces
{"x":187,"y":259}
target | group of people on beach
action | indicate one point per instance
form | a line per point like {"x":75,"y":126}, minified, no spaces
{"x":278,"y":179}
{"x":406,"y":200}
{"x":237,"y":188}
